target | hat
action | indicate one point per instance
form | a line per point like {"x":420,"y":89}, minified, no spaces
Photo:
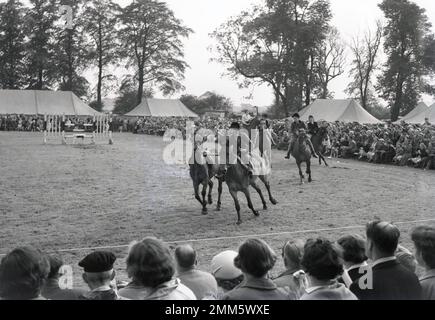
{"x":222,"y":266}
{"x":99,"y":261}
{"x":235,"y":125}
{"x":296,"y":115}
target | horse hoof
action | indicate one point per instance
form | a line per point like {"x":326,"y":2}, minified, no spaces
{"x":265,"y":207}
{"x":310,"y":180}
{"x":210,"y":201}
{"x":204,"y":212}
{"x":273,"y":201}
{"x":239,"y":222}
{"x":218,"y":209}
{"x":256,"y":213}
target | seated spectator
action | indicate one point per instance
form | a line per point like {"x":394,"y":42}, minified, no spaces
{"x":424,"y":242}
{"x":353,"y":249}
{"x":256,"y":259}
{"x":391,"y":281}
{"x":152,"y":268}
{"x":98,"y":275}
{"x":322,"y":265}
{"x":22,"y":274}
{"x":406,"y":259}
{"x":201,"y":283}
{"x":293,"y":279}
{"x":52,"y":290}
{"x":225,"y":272}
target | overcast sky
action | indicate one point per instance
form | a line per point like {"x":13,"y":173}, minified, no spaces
{"x":351,"y":17}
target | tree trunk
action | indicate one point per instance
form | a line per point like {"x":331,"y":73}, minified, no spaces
{"x":395,"y":110}
{"x":40,"y":83}
{"x":141,"y":84}
{"x":100,"y":66}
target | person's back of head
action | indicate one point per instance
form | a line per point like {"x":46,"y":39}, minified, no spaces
{"x":255,"y":258}
{"x":353,"y":249}
{"x":23,"y":272}
{"x":382,"y":239}
{"x":227,"y":275}
{"x":186,"y":257}
{"x":424,"y":242}
{"x":292,"y":253}
{"x":55,"y":263}
{"x":149,"y":263}
{"x":98,"y":269}
{"x":321,"y":260}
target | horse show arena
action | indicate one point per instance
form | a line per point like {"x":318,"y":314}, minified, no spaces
{"x":71,"y":199}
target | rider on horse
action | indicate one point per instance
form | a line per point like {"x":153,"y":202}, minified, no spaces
{"x":295,"y":129}
{"x":242,"y":153}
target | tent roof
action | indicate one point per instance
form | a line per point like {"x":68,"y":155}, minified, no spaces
{"x":31,"y":102}
{"x":162,"y":108}
{"x":418,"y":118}
{"x":329,"y":110}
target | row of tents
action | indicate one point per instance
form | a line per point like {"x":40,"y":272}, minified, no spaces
{"x":31,"y":102}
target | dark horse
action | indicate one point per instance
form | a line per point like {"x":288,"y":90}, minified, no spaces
{"x":238,"y":180}
{"x":302,"y":153}
{"x":317,"y":141}
{"x":203,"y":173}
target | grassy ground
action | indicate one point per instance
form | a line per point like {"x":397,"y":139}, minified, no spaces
{"x":64,"y":197}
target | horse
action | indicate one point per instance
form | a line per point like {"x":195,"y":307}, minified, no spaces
{"x":317,"y":141}
{"x":238,"y":179}
{"x":302,"y":153}
{"x":202,"y":173}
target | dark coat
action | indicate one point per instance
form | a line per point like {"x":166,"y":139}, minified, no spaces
{"x":391,"y":281}
{"x":52,"y":291}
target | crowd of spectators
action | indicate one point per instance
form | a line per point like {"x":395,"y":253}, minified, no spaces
{"x":374,"y":267}
{"x":401,"y":144}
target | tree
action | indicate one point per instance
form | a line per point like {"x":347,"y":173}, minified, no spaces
{"x":39,"y":28}
{"x":213,"y":102}
{"x":330,"y":62}
{"x":151,"y":37}
{"x":365,"y":52}
{"x":101,"y":17}
{"x":276,"y":44}
{"x":12,"y":46}
{"x":71,"y":52}
{"x":408,"y":40}
{"x":127,"y":99}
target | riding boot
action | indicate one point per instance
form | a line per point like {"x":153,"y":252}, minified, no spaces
{"x":313,"y":152}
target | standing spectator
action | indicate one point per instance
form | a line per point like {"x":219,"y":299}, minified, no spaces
{"x":322,"y":265}
{"x":22,"y":274}
{"x":98,"y":275}
{"x":256,"y":259}
{"x":293,"y":278}
{"x":354,"y":257}
{"x":201,"y":283}
{"x":227,"y":276}
{"x":424,"y":242}
{"x":52,"y":290}
{"x":391,"y":281}
{"x":152,"y":268}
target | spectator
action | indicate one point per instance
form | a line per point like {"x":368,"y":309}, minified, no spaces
{"x":406,"y":259}
{"x":22,"y":274}
{"x":354,"y":258}
{"x":98,"y":275}
{"x":152,"y":268}
{"x":424,"y":242}
{"x":322,"y":265}
{"x":227,"y":276}
{"x":391,"y":281}
{"x":52,"y":290}
{"x":293,"y":279}
{"x":201,"y":283}
{"x":256,"y":259}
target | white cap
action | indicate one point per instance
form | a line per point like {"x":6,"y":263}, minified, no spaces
{"x":222,"y":266}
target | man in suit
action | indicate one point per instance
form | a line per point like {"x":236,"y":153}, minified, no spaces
{"x":389,"y":279}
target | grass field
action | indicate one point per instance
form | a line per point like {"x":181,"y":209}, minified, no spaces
{"x":70,"y":197}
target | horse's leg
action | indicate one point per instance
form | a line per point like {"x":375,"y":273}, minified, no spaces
{"x":266,"y":182}
{"x":258,"y":189}
{"x":300,"y":172}
{"x":237,"y":204}
{"x":210,"y":190}
{"x":323,"y":158}
{"x":197,"y":197}
{"x":204,"y":194}
{"x":218,"y":207}
{"x":250,"y":205}
{"x":309,"y":170}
